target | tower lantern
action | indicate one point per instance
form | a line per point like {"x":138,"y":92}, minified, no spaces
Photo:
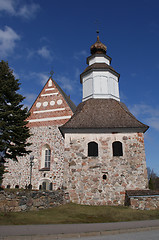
{"x":99,"y":79}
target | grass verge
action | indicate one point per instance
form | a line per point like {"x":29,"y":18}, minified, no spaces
{"x":74,"y":213}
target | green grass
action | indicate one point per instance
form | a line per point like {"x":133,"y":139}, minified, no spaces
{"x":74,"y":213}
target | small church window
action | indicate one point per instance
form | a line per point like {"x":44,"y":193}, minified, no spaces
{"x":104,"y":176}
{"x":46,"y":157}
{"x":117,"y":148}
{"x":93,"y":149}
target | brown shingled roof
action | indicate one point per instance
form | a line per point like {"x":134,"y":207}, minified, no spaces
{"x":103,"y":115}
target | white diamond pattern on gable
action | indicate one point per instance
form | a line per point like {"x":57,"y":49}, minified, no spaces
{"x":54,"y":106}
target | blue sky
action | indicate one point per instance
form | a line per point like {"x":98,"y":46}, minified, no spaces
{"x":37,"y":36}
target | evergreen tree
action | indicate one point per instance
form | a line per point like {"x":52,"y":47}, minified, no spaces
{"x":153,"y":179}
{"x":151,"y":184}
{"x":13,"y":130}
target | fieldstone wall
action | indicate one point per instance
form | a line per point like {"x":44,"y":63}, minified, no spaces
{"x":31,"y":200}
{"x":18,"y":173}
{"x":142,"y":199}
{"x":144,"y":202}
{"x":84,"y":175}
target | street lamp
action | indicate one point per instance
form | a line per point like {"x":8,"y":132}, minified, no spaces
{"x":31,"y":165}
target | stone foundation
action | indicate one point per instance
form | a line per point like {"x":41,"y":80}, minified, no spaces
{"x":16,"y":201}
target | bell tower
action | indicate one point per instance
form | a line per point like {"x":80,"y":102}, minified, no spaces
{"x":99,"y":79}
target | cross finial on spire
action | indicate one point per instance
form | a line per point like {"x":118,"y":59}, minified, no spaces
{"x":97,"y":31}
{"x":51,"y":73}
{"x":97,"y":35}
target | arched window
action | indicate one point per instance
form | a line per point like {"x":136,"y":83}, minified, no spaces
{"x":46,"y":184}
{"x":93,"y":149}
{"x":117,"y":148}
{"x":46,"y":157}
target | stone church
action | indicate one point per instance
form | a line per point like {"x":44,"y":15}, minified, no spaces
{"x":95,"y":151}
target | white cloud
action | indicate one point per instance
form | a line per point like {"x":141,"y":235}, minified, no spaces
{"x":144,"y":109}
{"x":77,"y":73}
{"x":29,"y":99}
{"x":133,"y":74}
{"x":13,"y":8}
{"x":45,"y":53}
{"x":42,"y":77}
{"x":16,"y":75}
{"x":8,"y":6}
{"x":123,"y":97}
{"x":8,"y":39}
{"x":65,"y":82}
{"x":149,"y":114}
{"x":78,"y":55}
{"x":28,"y":11}
{"x":30,"y":53}
{"x":153,"y":122}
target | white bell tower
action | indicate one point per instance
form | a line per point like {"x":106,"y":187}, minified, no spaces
{"x":99,"y":79}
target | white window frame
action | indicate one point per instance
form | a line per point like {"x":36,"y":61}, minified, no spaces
{"x":46,"y":156}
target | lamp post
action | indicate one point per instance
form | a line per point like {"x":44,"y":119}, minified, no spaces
{"x":31,"y":165}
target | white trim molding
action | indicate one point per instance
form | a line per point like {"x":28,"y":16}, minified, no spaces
{"x":50,"y":119}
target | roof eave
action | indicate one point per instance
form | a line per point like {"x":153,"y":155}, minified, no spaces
{"x":65,"y":130}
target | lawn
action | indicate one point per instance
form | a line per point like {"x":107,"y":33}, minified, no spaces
{"x":74,"y":213}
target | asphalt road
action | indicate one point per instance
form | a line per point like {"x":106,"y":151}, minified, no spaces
{"x":76,"y":231}
{"x":145,"y":235}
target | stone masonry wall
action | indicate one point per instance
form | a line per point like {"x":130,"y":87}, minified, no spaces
{"x":18,"y":173}
{"x":144,"y":202}
{"x":31,"y":200}
{"x":84,"y":175}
